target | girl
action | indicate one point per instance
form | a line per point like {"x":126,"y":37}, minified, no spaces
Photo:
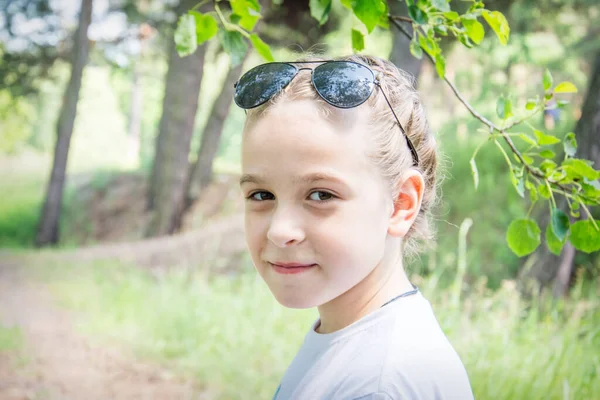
{"x":339,"y":174}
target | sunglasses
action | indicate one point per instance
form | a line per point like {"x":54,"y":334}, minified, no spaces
{"x":342,"y":84}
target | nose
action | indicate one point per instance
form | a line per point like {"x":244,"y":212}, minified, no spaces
{"x":285,"y":229}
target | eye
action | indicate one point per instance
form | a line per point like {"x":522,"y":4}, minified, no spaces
{"x":260,"y":196}
{"x":319,"y":195}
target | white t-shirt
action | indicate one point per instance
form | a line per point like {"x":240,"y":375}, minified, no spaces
{"x":396,"y":352}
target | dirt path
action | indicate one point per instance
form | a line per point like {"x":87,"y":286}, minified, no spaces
{"x":59,"y":363}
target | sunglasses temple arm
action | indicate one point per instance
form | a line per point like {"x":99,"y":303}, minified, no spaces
{"x":408,"y":142}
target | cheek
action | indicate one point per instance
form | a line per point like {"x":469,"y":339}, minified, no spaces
{"x":255,"y":232}
{"x":355,"y":236}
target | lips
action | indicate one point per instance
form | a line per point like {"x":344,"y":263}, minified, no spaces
{"x":292,"y":265}
{"x":291,"y":268}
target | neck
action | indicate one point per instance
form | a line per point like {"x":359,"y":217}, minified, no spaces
{"x":385,"y":281}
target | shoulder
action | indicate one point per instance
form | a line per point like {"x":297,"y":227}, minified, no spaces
{"x":421,"y":363}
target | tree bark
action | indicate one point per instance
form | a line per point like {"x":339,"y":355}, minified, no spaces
{"x":135,"y":109}
{"x":401,"y":55}
{"x":48,"y":229}
{"x":202,"y":169}
{"x":167,"y":196}
{"x":545,"y":267}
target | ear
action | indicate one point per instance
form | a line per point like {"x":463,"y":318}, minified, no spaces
{"x":407,"y":204}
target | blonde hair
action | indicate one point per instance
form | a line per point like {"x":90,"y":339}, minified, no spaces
{"x":390,"y":153}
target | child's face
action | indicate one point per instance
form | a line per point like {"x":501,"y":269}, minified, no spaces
{"x":297,"y":214}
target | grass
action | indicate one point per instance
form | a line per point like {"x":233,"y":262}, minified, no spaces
{"x":22,"y":189}
{"x":10,"y":338}
{"x":235,"y":339}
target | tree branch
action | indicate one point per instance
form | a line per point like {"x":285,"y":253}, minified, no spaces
{"x":502,"y":131}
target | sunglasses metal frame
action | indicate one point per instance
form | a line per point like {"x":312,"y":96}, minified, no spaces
{"x":375,"y":82}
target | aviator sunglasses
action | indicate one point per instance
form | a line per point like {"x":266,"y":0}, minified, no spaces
{"x":342,"y":84}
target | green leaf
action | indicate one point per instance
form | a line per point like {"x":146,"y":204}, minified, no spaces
{"x":530,"y":104}
{"x":417,"y":15}
{"x":441,"y":30}
{"x":248,"y":11}
{"x":464,"y":39}
{"x":560,"y":223}
{"x":319,"y":10}
{"x":358,"y":40}
{"x":500,"y":106}
{"x":565,"y":87}
{"x":451,"y":15}
{"x":547,"y":154}
{"x":428,"y":45}
{"x":384,"y":21}
{"x":440,"y":65}
{"x":206,"y":26}
{"x":544,"y":139}
{"x":547,"y":80}
{"x":591,"y":189}
{"x":415,"y":49}
{"x":504,"y":107}
{"x":548,"y":166}
{"x":262,"y":48}
{"x":533,"y":194}
{"x":185,"y":35}
{"x":553,"y":243}
{"x":474,"y":172}
{"x":519,"y":184}
{"x":474,"y":30}
{"x":441,"y":5}
{"x":528,"y":139}
{"x":234,"y":44}
{"x":570,"y":144}
{"x":544,"y":191}
{"x":582,"y":168}
{"x":528,"y":160}
{"x":497,"y":21}
{"x":369,"y":12}
{"x":523,"y":236}
{"x":585,"y":237}
{"x":347,"y":4}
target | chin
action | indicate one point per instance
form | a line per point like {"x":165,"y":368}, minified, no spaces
{"x":296,"y":302}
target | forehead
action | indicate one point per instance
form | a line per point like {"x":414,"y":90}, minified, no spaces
{"x":294,"y":138}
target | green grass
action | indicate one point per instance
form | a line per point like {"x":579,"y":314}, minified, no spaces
{"x":237,"y":341}
{"x":22,"y":186}
{"x":10,"y":338}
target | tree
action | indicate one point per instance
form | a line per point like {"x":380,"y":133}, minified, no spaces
{"x":48,"y":230}
{"x":201,"y":171}
{"x":167,"y":196}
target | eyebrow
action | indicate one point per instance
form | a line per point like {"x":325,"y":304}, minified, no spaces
{"x":309,"y":178}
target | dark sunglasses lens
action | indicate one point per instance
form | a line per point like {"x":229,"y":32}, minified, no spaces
{"x":343,"y":84}
{"x":261,"y":83}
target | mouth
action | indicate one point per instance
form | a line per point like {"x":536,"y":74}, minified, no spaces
{"x":291,"y":268}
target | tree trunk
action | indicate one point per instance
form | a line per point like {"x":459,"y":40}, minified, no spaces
{"x":135,"y":110}
{"x":48,"y":229}
{"x":401,"y":56}
{"x":167,"y":197}
{"x":202,"y":169}
{"x":545,"y":267}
